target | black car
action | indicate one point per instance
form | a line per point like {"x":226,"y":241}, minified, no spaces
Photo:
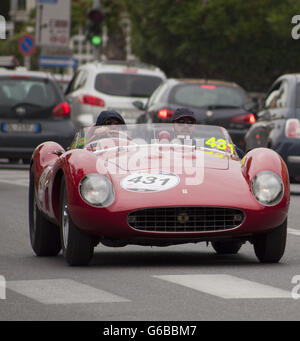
{"x":32,"y":110}
{"x":278,"y":125}
{"x":213,"y":102}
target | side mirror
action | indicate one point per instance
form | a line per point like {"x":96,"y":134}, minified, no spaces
{"x":264,"y":115}
{"x":138,"y":104}
{"x":252,"y":106}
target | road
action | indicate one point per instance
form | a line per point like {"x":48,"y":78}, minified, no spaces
{"x":178,"y":283}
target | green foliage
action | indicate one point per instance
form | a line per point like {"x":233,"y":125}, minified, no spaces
{"x":79,"y":12}
{"x":244,"y":41}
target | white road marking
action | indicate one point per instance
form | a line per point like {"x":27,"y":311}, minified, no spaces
{"x":18,"y":182}
{"x":294,"y":232}
{"x":20,"y":178}
{"x":226,"y":286}
{"x":62,"y":291}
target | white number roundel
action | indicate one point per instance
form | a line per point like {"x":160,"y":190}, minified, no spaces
{"x":147,"y":183}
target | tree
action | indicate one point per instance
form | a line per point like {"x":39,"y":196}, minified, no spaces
{"x":244,"y":41}
{"x":115,"y":23}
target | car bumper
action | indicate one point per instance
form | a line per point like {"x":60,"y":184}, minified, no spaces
{"x":22,"y":145}
{"x":115,"y":226}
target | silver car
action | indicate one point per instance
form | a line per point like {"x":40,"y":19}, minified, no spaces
{"x":111,"y":85}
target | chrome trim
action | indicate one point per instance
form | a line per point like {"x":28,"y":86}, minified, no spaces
{"x":209,"y":226}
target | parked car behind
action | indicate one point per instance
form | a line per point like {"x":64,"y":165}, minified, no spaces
{"x":32,"y":110}
{"x":111,"y":85}
{"x":213,"y":102}
{"x":278,"y":125}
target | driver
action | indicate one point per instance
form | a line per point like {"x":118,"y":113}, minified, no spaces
{"x":102,"y":127}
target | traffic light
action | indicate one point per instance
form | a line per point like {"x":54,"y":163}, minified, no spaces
{"x":94,"y":29}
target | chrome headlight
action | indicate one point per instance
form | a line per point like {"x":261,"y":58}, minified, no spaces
{"x":96,"y":190}
{"x":267,"y":188}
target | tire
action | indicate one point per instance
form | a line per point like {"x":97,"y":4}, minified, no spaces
{"x":226,"y":248}
{"x":77,"y":246}
{"x":269,"y":247}
{"x":44,"y":236}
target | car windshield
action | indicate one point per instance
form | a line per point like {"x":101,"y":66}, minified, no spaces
{"x":32,"y":94}
{"x":208,"y":96}
{"x":127,"y":84}
{"x":210,"y":138}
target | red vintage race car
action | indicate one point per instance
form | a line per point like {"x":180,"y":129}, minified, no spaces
{"x":156,"y":185}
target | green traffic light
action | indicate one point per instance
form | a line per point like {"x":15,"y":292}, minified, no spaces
{"x":96,"y":40}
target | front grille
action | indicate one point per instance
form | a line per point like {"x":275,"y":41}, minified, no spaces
{"x":185,"y":219}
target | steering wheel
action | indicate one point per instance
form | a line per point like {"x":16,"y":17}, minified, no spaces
{"x":118,"y":133}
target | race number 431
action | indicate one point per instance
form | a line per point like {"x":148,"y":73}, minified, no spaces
{"x":2,"y":288}
{"x":296,"y":28}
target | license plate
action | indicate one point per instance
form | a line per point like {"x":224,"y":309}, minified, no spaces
{"x":20,"y":128}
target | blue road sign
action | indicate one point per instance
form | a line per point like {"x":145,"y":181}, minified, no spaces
{"x":26,"y":45}
{"x":60,"y":62}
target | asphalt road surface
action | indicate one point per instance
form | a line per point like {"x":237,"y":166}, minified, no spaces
{"x":178,"y":283}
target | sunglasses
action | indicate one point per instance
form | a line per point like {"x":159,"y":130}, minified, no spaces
{"x":183,"y":121}
{"x":112,"y":122}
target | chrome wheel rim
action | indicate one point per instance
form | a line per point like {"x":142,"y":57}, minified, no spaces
{"x":65,"y":223}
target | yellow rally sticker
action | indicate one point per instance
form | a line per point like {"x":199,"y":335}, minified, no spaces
{"x":220,"y":144}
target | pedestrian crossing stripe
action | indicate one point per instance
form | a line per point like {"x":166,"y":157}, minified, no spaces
{"x":62,"y":291}
{"x":226,"y":286}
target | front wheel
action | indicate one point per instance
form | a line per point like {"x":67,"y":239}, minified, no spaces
{"x":78,"y":247}
{"x":44,"y":236}
{"x":269,"y":247}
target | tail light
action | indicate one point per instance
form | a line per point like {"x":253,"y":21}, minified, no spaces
{"x":244,"y":118}
{"x":292,"y":128}
{"x":91,"y":100}
{"x":165,"y":113}
{"x":61,"y":110}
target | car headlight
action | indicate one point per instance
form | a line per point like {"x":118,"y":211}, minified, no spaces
{"x":267,"y":188}
{"x":96,"y":190}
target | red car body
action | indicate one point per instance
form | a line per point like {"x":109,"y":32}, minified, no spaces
{"x":226,"y":184}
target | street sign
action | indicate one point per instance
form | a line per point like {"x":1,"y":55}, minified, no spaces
{"x":26,"y":45}
{"x":53,"y":23}
{"x":57,"y":51}
{"x":60,"y":62}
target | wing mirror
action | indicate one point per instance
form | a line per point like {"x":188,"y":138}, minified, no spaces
{"x":264,"y":115}
{"x":139,"y":104}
